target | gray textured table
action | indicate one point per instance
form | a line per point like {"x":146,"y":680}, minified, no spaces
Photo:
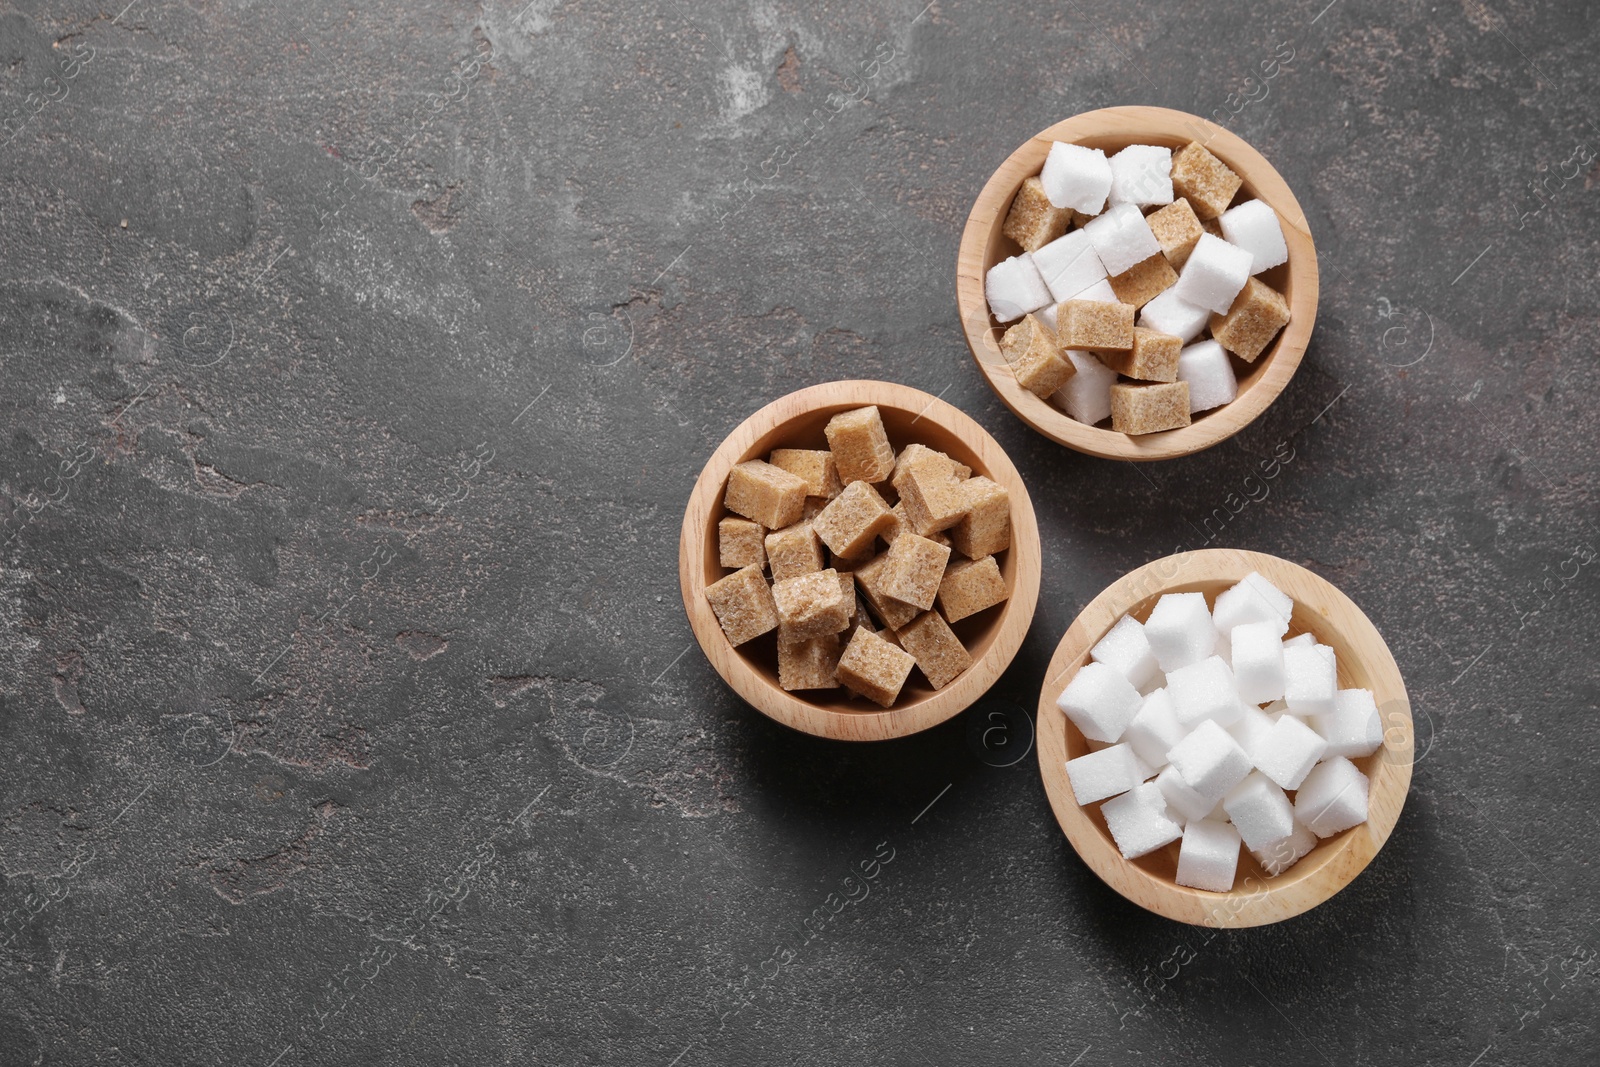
{"x":355,"y":365}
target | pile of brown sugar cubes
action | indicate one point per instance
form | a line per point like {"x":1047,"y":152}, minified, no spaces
{"x":802,"y":539}
{"x":1147,"y":231}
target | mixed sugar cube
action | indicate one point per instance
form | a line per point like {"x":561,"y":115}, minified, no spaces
{"x":1127,"y":260}
{"x":1208,"y":727}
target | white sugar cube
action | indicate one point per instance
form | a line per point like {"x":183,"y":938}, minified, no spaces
{"x":1252,"y":226}
{"x":1290,"y":751}
{"x":1353,"y":728}
{"x":1069,"y":265}
{"x":1212,"y":275}
{"x":1076,"y":177}
{"x":1102,"y":774}
{"x":1123,"y":238}
{"x":1139,"y":821}
{"x":1125,"y":647}
{"x":1087,"y":394}
{"x":1332,"y":798}
{"x":1155,"y":729}
{"x":1259,"y":811}
{"x":1209,"y":855}
{"x":1280,"y":855}
{"x":1204,"y":365}
{"x":1141,"y":174}
{"x":1169,"y":314}
{"x":1210,"y":761}
{"x":1204,"y":690}
{"x":1250,"y":729}
{"x":1257,"y":661}
{"x":1179,"y":630}
{"x":1310,"y":679}
{"x":1300,"y":640}
{"x":1252,"y":599}
{"x":1014,"y":288}
{"x":1100,"y":702}
{"x":1101,"y":291}
{"x":1183,"y":801}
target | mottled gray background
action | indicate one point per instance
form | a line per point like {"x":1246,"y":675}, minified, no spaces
{"x":355,"y":366}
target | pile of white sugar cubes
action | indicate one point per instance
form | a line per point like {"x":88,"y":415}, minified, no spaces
{"x":1145,"y":231}
{"x":1204,"y":721}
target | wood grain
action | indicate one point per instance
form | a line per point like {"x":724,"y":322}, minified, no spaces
{"x":1364,"y":663}
{"x":1110,"y":129}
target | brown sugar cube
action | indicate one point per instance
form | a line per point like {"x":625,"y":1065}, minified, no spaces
{"x":915,"y":449}
{"x":852,"y":519}
{"x":1035,"y":357}
{"x":1144,"y":281}
{"x":874,"y":668}
{"x":1153,"y":357}
{"x":987,"y":527}
{"x":740,"y":543}
{"x":1095,"y":325}
{"x":1033,"y":220}
{"x":765,"y":494}
{"x":808,"y":664}
{"x":814,"y":466}
{"x":1177,"y":230}
{"x":935,"y":647}
{"x":811,"y":605}
{"x":743,"y":604}
{"x":793,"y":551}
{"x":1257,"y":314}
{"x":860,"y":445}
{"x":1146,"y":407}
{"x":891,"y":612}
{"x":969,"y":586}
{"x":930,"y":494}
{"x":1203,"y":180}
{"x":912,"y":569}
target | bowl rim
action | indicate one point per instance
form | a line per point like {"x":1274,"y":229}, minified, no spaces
{"x":1277,"y":898}
{"x":877,"y":724}
{"x":1280,"y":360}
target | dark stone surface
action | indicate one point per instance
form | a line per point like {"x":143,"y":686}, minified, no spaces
{"x":350,"y":393}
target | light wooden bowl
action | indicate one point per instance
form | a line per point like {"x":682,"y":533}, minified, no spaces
{"x":1364,"y":663}
{"x":992,"y":636}
{"x":1111,"y":129}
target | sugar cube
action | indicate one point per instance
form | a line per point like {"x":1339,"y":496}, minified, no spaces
{"x":765,"y":494}
{"x":930,"y":493}
{"x":1087,"y":394}
{"x":1257,"y":314}
{"x":1254,"y":227}
{"x":970,"y":586}
{"x":890,"y":611}
{"x":1203,"y":180}
{"x":1069,"y":264}
{"x":1310,"y":680}
{"x":916,"y":450}
{"x":1033,"y":220}
{"x":1035,"y":357}
{"x":1209,"y":855}
{"x":1125,"y":647}
{"x":1094,"y":325}
{"x":1103,"y":774}
{"x":860,"y":445}
{"x":1179,"y":630}
{"x":1353,"y":728}
{"x":740,"y":543}
{"x":874,"y":668}
{"x":1155,"y":729}
{"x":1141,"y":174}
{"x":1122,"y":238}
{"x":743,"y":604}
{"x":1213,"y":274}
{"x":814,"y":466}
{"x":935,"y":647}
{"x":1204,"y":690}
{"x":1176,"y":229}
{"x":1257,"y":661}
{"x":1076,"y":177}
{"x":1014,"y":287}
{"x":1139,"y":821}
{"x":986,"y":526}
{"x":1153,"y":358}
{"x":1209,"y":760}
{"x":1280,"y":855}
{"x":1332,"y":798}
{"x":1251,"y":729}
{"x":1253,"y":599}
{"x":912,"y":570}
{"x":1144,"y":281}
{"x":811,"y":605}
{"x":1259,"y":811}
{"x":1204,"y":365}
{"x":1100,"y":702}
{"x":1289,"y":751}
{"x":1170,"y":315}
{"x":1180,"y":798}
{"x":852,"y":520}
{"x":808,"y":663}
{"x":1149,"y":407}
{"x":793,"y":551}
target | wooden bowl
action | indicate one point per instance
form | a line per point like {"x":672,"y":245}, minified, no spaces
{"x":1364,"y":663}
{"x":992,"y":636}
{"x":1111,"y":129}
